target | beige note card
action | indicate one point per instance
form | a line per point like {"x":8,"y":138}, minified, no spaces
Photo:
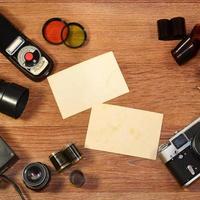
{"x":124,"y":130}
{"x":84,"y":85}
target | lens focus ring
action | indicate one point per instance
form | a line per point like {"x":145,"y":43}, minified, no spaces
{"x":196,"y":143}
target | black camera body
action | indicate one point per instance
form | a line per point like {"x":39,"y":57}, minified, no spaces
{"x":7,"y":156}
{"x":182,"y":154}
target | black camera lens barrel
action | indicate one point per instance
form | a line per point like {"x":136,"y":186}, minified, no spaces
{"x":13,"y":99}
{"x":36,"y":176}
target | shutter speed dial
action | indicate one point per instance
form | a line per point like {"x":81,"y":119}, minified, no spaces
{"x":28,"y":56}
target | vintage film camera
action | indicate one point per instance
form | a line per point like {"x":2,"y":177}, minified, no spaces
{"x":7,"y":156}
{"x":181,"y":154}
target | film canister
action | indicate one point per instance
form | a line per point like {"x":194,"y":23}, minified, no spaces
{"x":13,"y":99}
{"x":173,"y":29}
{"x":164,"y":29}
{"x":178,"y":28}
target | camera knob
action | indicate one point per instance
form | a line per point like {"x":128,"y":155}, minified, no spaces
{"x":162,"y":147}
{"x":196,"y":143}
{"x":28,"y":56}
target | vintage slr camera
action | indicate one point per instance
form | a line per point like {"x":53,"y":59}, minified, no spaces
{"x":181,"y":154}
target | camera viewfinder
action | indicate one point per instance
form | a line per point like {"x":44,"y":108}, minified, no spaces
{"x":179,"y":141}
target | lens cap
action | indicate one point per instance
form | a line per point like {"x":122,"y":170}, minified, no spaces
{"x":77,"y":178}
{"x":13,"y":99}
{"x":76,"y":36}
{"x":36,"y":176}
{"x":52,"y":31}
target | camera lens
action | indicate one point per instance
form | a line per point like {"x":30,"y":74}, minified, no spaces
{"x":36,"y":176}
{"x":196,"y":143}
{"x":13,"y":99}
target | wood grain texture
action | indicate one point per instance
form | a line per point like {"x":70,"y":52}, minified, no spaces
{"x":75,"y":1}
{"x":156,"y":83}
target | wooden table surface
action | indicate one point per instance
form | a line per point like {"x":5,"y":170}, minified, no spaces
{"x":155,"y":81}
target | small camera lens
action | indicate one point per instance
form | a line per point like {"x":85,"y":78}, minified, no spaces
{"x":36,"y":176}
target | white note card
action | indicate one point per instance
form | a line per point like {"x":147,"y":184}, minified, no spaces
{"x":84,"y":85}
{"x":124,"y":130}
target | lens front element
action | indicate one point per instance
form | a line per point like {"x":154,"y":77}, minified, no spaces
{"x":36,"y":176}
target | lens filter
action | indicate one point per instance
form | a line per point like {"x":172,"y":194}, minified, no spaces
{"x":76,"y":35}
{"x":57,"y":31}
{"x":53,"y":32}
